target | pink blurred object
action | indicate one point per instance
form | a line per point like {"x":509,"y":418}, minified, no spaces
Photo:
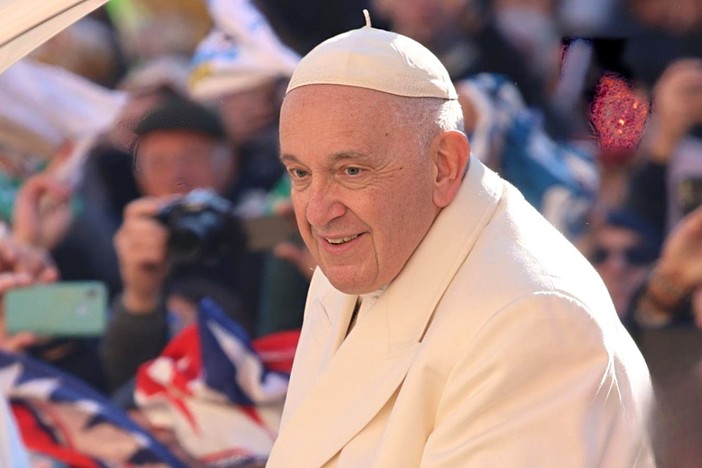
{"x":618,"y":115}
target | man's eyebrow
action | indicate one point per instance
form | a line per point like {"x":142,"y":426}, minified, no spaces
{"x":346,"y":155}
{"x":336,"y":157}
{"x":288,"y":157}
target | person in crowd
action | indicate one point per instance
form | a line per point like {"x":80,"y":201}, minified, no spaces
{"x":181,"y":146}
{"x":239,"y":70}
{"x":448,"y":323}
{"x":622,"y":247}
{"x":666,"y":184}
{"x":108,"y":183}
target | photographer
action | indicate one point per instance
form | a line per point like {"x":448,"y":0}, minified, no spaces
{"x":180,"y":147}
{"x":671,"y":148}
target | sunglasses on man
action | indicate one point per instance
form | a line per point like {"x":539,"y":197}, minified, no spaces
{"x":636,"y":255}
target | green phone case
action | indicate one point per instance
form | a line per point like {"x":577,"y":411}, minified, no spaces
{"x":71,"y":308}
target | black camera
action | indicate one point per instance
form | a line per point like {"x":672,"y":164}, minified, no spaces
{"x":203,"y":227}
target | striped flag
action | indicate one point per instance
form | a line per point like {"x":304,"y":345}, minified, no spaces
{"x":219,"y":392}
{"x":63,"y":420}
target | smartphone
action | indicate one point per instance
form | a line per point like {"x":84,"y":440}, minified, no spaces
{"x":265,"y":232}
{"x":69,"y":308}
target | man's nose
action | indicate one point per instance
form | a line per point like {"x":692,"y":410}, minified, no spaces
{"x":617,"y":263}
{"x":323,"y":203}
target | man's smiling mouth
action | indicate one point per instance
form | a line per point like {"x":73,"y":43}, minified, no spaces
{"x":340,"y":240}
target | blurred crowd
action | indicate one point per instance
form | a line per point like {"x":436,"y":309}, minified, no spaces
{"x":592,"y":108}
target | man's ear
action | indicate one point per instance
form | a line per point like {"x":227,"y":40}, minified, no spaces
{"x":451,"y":153}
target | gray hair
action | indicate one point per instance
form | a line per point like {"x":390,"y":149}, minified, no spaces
{"x":429,"y":116}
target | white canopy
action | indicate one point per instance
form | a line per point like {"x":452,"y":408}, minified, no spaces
{"x":25,"y":24}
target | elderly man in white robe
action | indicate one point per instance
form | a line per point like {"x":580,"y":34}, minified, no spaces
{"x":448,"y":323}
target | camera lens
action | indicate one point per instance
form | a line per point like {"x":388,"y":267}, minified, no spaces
{"x":202,"y":226}
{"x":193,"y":236}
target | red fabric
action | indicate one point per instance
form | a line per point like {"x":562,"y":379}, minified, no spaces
{"x":277,"y":350}
{"x":36,"y":439}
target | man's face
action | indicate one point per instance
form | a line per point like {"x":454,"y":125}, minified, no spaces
{"x":623,"y":260}
{"x":362,"y":185}
{"x":174,"y":162}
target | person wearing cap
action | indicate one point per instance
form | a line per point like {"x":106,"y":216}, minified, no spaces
{"x":448,"y":324}
{"x":180,"y":146}
{"x":240,"y":69}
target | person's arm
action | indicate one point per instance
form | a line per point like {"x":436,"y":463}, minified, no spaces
{"x":659,"y":302}
{"x":42,"y":212}
{"x":138,"y":328}
{"x":678,"y":272}
{"x":132,"y":339}
{"x":140,"y":244}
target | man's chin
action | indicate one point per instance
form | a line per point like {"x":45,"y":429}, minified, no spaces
{"x":348,"y":284}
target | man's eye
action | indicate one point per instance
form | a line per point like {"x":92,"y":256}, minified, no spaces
{"x":298,"y":173}
{"x":353,"y":171}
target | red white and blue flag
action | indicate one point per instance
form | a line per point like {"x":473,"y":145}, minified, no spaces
{"x":65,"y":422}
{"x":219,"y":392}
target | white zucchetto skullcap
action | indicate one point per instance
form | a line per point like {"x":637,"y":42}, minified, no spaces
{"x":375,"y":59}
